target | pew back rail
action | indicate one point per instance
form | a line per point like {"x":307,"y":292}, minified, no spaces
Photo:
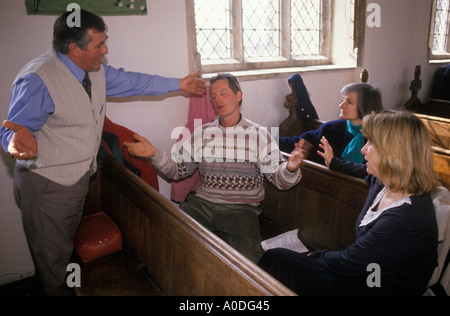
{"x":439,"y":128}
{"x":177,"y":253}
{"x":324,"y":207}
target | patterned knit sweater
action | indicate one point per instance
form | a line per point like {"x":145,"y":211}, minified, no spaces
{"x":232,"y":162}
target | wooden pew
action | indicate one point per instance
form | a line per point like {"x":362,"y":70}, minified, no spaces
{"x":439,"y":128}
{"x":434,"y":107}
{"x":179,"y":255}
{"x":442,"y":166}
{"x":324,"y":207}
{"x":440,"y":108}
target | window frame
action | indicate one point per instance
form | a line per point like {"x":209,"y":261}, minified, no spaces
{"x":445,"y":56}
{"x":285,"y":62}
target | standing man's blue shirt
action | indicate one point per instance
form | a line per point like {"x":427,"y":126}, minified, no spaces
{"x":31,"y":104}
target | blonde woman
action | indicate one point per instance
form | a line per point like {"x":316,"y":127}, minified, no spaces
{"x":396,"y":232}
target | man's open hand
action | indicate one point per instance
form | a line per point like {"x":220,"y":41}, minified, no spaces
{"x":23,"y":145}
{"x":192,"y":84}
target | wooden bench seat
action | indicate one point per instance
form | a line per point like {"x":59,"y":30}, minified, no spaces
{"x":176,"y":253}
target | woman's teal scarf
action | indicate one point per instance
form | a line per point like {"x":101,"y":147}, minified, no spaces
{"x":353,"y":150}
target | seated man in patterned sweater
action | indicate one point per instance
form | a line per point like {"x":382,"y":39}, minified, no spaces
{"x":232,"y":155}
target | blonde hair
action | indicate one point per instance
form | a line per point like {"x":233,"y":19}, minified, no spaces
{"x":405,"y":156}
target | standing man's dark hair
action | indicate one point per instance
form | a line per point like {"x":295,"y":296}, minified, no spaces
{"x":64,"y":35}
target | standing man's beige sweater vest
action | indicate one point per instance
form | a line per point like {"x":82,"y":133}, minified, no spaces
{"x":69,"y":141}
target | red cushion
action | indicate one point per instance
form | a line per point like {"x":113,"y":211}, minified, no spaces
{"x":97,"y":236}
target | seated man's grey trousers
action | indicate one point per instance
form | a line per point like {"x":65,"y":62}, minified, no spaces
{"x":236,"y":224}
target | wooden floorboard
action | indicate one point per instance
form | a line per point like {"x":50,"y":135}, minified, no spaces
{"x":116,"y":274}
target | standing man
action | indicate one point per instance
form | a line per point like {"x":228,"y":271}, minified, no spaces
{"x":54,"y":131}
{"x":232,"y":155}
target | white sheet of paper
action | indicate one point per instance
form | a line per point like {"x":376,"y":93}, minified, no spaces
{"x":287,"y":240}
